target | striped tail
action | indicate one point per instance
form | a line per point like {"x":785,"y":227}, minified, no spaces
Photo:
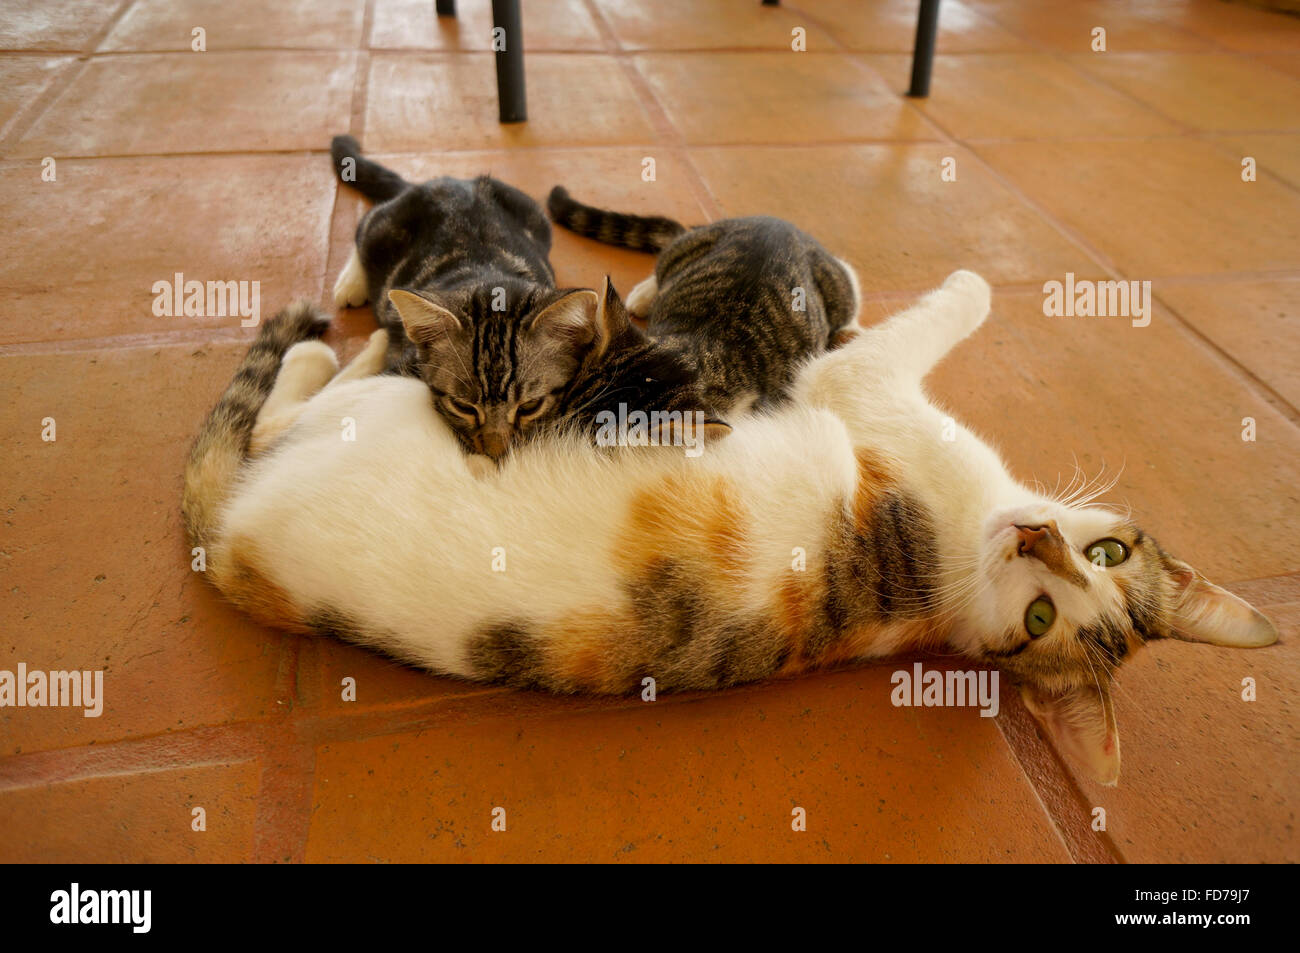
{"x":366,"y":176}
{"x":651,"y":233}
{"x":222,"y":443}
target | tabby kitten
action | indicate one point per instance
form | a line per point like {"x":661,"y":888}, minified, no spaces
{"x":626,"y":565}
{"x":459,"y":274}
{"x":747,"y":299}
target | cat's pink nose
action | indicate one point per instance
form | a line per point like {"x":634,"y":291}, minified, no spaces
{"x":1031,"y":536}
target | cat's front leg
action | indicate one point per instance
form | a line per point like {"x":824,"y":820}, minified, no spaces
{"x":350,"y":290}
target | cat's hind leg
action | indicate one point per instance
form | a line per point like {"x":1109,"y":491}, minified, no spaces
{"x":307,"y":367}
{"x":642,"y":297}
{"x":351,"y":290}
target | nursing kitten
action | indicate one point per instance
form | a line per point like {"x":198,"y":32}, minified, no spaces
{"x":748,"y":299}
{"x":458,"y":272}
{"x":630,"y":564}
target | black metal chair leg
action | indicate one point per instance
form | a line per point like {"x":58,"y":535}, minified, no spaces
{"x":927,"y":25}
{"x":511,"y":101}
{"x":446,"y":8}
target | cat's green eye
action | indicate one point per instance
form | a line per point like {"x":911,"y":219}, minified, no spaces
{"x":1039,"y":616}
{"x":1106,"y":552}
{"x":528,"y":408}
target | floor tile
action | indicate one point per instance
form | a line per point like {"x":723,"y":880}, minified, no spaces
{"x":720,"y":25}
{"x":714,"y":780}
{"x":234,"y":102}
{"x":1286,"y":62}
{"x":777,"y":97}
{"x":119,"y":226}
{"x":1153,"y":403}
{"x":1067,"y":25}
{"x":890,"y":26}
{"x":438,"y":102}
{"x":886,"y":209}
{"x":1160,"y":207}
{"x":1276,"y":154}
{"x":413,"y":24}
{"x":22,"y":80}
{"x":238,"y":25}
{"x":1023,"y":96}
{"x":1237,"y":26}
{"x":1207,"y":91}
{"x":1253,"y":321}
{"x":137,"y":818}
{"x":97,"y":572}
{"x":42,"y":25}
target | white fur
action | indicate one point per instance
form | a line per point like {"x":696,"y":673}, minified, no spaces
{"x":642,"y":297}
{"x":350,"y":289}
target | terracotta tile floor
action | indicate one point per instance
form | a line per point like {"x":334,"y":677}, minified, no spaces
{"x":1122,"y":164}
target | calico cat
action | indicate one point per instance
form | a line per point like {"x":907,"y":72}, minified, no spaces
{"x":627,"y":564}
{"x":458,"y":272}
{"x":748,"y":299}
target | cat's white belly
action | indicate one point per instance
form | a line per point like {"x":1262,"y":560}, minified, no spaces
{"x":391,"y":530}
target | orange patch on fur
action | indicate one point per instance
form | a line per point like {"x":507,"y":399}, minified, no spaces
{"x":582,"y":651}
{"x":236,"y":572}
{"x":874,"y":478}
{"x":683,"y":520}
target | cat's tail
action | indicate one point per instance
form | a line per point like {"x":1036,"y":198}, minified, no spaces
{"x":365,"y":175}
{"x":222,"y":443}
{"x":651,"y":233}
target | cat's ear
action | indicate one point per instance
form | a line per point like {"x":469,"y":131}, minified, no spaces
{"x":426,"y":322}
{"x":612,"y":319}
{"x":1081,"y":723}
{"x":1204,"y":612}
{"x":570,"y":321}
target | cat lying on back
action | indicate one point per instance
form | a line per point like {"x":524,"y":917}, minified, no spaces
{"x":458,"y":272}
{"x":627,"y":564}
{"x":748,"y":300}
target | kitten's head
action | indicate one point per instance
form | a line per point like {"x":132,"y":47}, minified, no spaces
{"x":1068,"y":593}
{"x":497,"y":374}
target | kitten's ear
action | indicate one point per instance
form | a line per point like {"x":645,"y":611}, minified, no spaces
{"x":570,"y":321}
{"x":1204,"y":612}
{"x":426,"y":323}
{"x":612,"y":319}
{"x":1081,"y":723}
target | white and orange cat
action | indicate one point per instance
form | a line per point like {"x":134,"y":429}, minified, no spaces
{"x":841,"y":526}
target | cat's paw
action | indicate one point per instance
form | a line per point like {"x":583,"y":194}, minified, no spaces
{"x":350,"y":290}
{"x":310,"y":359}
{"x":975,"y":293}
{"x":642,"y":297}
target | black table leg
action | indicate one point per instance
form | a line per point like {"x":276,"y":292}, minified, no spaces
{"x":511,"y":101}
{"x":446,"y":8}
{"x":927,"y":24}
